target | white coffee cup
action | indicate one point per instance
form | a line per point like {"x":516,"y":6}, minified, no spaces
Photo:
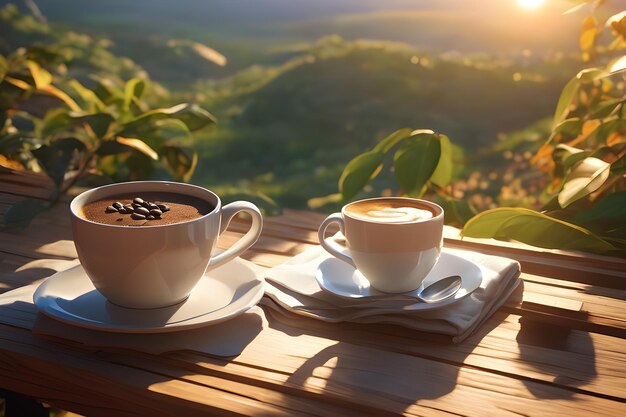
{"x":155,"y":266}
{"x":394,"y":255}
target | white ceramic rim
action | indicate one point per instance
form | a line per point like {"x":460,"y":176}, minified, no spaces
{"x":437,"y":207}
{"x":79,"y":201}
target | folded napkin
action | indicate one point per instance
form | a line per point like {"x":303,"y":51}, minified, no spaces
{"x":226,"y":339}
{"x":292,"y":286}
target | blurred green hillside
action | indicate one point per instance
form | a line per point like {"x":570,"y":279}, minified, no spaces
{"x":294,"y":110}
{"x":290,"y":129}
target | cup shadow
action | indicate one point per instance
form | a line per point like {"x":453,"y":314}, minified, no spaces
{"x":539,"y":345}
{"x":353,"y":365}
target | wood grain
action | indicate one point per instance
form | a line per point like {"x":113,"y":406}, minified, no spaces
{"x":562,"y":351}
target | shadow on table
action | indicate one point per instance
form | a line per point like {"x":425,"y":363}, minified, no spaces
{"x":378,"y":368}
{"x":549,"y":348}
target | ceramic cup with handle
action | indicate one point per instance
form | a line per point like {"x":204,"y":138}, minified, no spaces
{"x":393,"y":241}
{"x":155,"y":266}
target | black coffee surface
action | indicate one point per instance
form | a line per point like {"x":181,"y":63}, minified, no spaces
{"x":175,"y":208}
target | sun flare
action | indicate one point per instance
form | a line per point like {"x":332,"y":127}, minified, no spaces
{"x":530,"y":4}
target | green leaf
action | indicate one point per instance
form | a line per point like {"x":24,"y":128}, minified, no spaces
{"x":181,"y":161}
{"x":122,"y":145}
{"x":359,"y":171}
{"x":57,"y":157}
{"x":56,"y":120}
{"x":605,"y":108}
{"x":171,"y":129}
{"x":41,"y":77}
{"x":585,"y":177}
{"x":533,"y":228}
{"x":610,"y":211}
{"x":415,"y":161}
{"x":617,"y":65}
{"x":456,"y":212}
{"x":392,"y":140}
{"x":565,"y":100}
{"x":607,"y":128}
{"x":134,"y":89}
{"x":138,"y":145}
{"x":573,"y":159}
{"x":92,"y":101}
{"x":193,"y":116}
{"x":443,"y":173}
{"x":570,"y":90}
{"x":99,"y":122}
{"x":4,"y":67}
{"x":22,"y":213}
{"x":61,"y":121}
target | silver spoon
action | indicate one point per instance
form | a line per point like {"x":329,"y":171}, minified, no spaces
{"x":434,"y":293}
{"x":440,"y":290}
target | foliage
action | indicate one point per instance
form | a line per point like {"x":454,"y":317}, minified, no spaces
{"x":585,"y":157}
{"x":422,"y":162}
{"x":579,"y":172}
{"x":53,"y":123}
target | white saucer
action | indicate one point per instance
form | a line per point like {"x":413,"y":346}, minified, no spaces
{"x":223,"y":293}
{"x":341,"y":279}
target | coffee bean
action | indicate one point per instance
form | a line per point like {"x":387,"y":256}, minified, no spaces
{"x":150,"y":217}
{"x":138,"y":200}
{"x":137,"y":216}
{"x":164,"y":207}
{"x":110,"y":209}
{"x":156,"y":212}
{"x":128,"y":207}
{"x":142,"y":210}
{"x":118,"y":205}
{"x":152,"y":206}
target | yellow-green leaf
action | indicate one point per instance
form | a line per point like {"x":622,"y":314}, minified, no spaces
{"x":358,"y":172}
{"x":415,"y":162}
{"x":390,"y":141}
{"x":41,"y":77}
{"x":92,"y":101}
{"x":585,"y":177}
{"x":443,"y":173}
{"x":533,"y":228}
{"x":134,"y":89}
{"x":61,"y":95}
{"x":138,"y":145}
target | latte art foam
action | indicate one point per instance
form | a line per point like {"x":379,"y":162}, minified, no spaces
{"x":397,"y":214}
{"x":389,"y":211}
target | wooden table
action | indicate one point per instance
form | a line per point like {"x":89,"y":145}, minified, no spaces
{"x":562,"y":351}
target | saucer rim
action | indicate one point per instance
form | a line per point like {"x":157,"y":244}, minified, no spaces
{"x":386,"y":297}
{"x":62,"y":315}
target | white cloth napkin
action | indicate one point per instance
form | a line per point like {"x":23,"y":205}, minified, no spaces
{"x":292,"y":286}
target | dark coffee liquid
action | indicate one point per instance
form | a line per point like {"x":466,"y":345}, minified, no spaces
{"x":182,"y":208}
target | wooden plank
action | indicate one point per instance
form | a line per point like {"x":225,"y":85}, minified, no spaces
{"x":40,"y":368}
{"x":504,"y":345}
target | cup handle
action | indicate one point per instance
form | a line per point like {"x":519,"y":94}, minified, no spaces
{"x":331,"y":246}
{"x":228,"y":212}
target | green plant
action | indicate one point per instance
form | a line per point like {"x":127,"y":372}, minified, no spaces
{"x":585,"y":157}
{"x":52,"y":123}
{"x":422,"y":162}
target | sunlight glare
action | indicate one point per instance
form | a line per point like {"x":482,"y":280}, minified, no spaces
{"x":530,"y":4}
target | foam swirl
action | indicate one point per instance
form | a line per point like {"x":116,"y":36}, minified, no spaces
{"x":396,"y":215}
